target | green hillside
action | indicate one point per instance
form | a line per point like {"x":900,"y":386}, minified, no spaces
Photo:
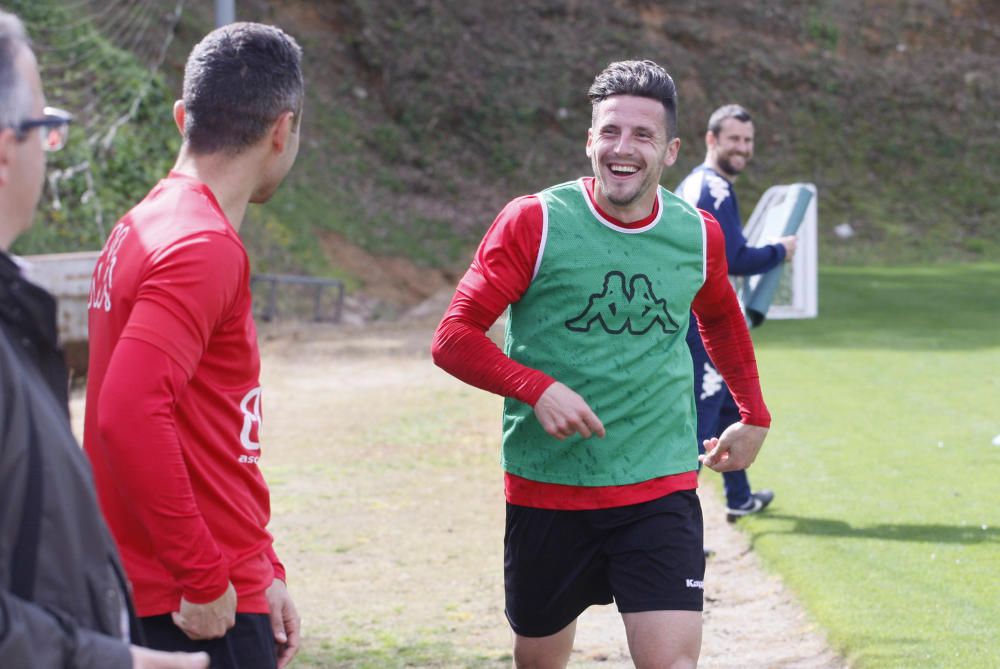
{"x":424,"y":118}
{"x":122,"y":139}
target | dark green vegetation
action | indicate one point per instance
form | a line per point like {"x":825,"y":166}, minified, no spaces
{"x":425,"y":117}
{"x":885,"y":408}
{"x":123,"y":139}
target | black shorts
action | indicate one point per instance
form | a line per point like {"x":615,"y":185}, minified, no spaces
{"x":248,"y":645}
{"x":644,"y":557}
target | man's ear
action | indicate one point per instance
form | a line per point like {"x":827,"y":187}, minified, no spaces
{"x":179,"y":114}
{"x":8,"y":145}
{"x":710,"y":139}
{"x":283,"y":127}
{"x":590,"y":141}
{"x":673,"y":149}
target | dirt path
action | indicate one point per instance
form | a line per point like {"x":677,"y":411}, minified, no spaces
{"x":388,"y":512}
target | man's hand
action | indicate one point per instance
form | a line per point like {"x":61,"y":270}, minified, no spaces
{"x":563,"y":413}
{"x":789,"y":243}
{"x":284,"y":622}
{"x":736,"y":449}
{"x":207,"y":621}
{"x":144,"y":658}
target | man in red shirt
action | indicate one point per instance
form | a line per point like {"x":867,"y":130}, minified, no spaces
{"x":173,"y":394}
{"x":599,"y":276}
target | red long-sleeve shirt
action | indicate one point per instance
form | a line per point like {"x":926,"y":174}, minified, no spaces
{"x":502,"y":271}
{"x":173,"y":404}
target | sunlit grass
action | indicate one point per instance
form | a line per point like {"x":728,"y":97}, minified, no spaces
{"x":887,"y":520}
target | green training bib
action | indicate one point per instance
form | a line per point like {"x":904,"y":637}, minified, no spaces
{"x":606,"y":314}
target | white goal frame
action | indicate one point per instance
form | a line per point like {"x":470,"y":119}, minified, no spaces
{"x":797,"y":294}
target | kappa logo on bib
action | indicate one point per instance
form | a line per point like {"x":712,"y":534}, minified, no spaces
{"x":250,"y":434}
{"x":619,"y":308}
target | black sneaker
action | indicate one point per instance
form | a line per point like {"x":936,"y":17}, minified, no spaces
{"x":758,"y":502}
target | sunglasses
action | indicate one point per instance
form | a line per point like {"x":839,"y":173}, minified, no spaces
{"x":56,"y":124}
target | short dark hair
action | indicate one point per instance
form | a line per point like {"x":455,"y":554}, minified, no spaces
{"x":642,"y":78}
{"x":726,"y":112}
{"x":238,"y":80}
{"x":15,"y":94}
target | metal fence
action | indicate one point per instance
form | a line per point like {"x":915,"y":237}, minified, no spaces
{"x":68,"y":277}
{"x":318,"y":286}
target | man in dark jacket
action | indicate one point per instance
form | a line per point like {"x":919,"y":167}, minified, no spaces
{"x":728,"y":150}
{"x":63,"y":596}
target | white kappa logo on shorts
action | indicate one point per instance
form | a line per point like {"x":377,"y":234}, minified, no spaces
{"x":692,"y":583}
{"x":711,"y":382}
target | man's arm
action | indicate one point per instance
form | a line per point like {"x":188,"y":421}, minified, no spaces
{"x":716,"y":197}
{"x":499,"y":275}
{"x":285,"y":622}
{"x":137,"y":425}
{"x":727,"y":341}
{"x":33,"y":636}
{"x":279,"y":568}
{"x":746,"y":260}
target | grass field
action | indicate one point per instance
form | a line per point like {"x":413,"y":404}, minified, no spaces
{"x":887,"y":520}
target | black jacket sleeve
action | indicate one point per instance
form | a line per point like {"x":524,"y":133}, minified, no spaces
{"x":32,"y":636}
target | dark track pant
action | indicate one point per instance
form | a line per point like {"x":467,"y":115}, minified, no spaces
{"x":248,"y":645}
{"x":717,"y":410}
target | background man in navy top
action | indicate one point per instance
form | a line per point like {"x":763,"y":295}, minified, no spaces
{"x":729,"y":147}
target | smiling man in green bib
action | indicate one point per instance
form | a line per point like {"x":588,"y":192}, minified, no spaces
{"x":599,"y":447}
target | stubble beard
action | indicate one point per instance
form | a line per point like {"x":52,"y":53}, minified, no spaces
{"x":624,"y":200}
{"x":727,"y":166}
